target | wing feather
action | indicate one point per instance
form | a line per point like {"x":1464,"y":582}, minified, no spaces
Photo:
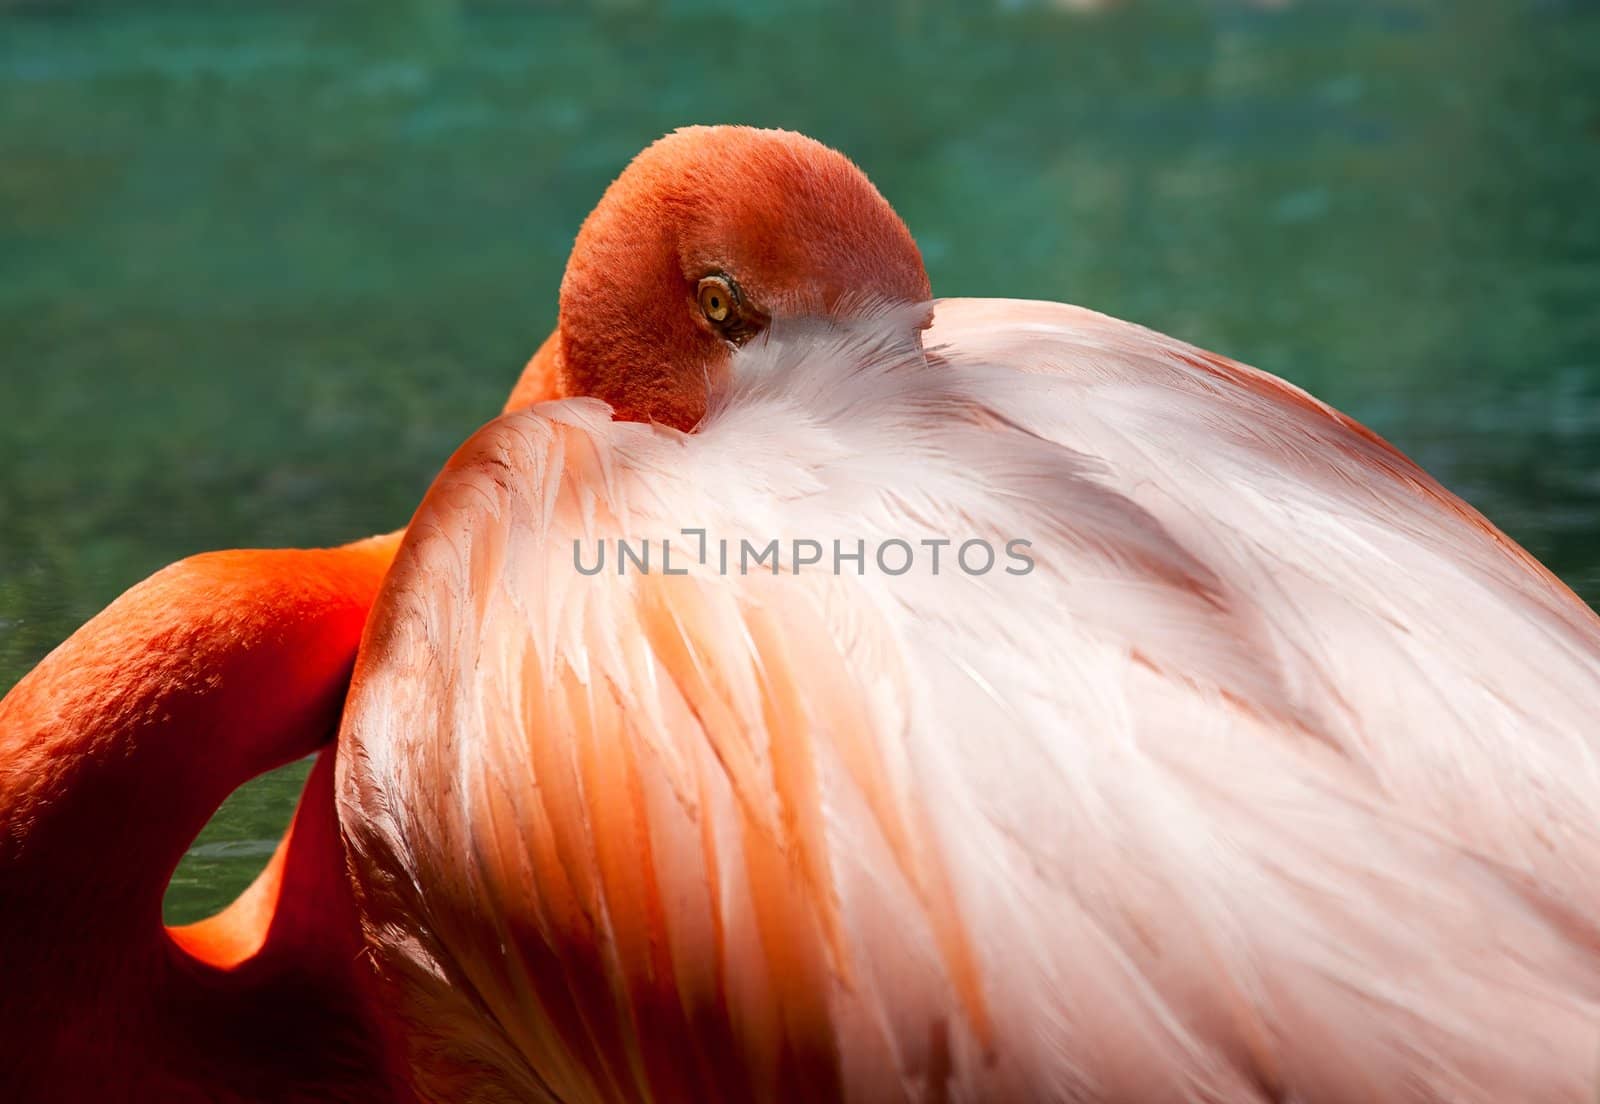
{"x":1273,"y":779}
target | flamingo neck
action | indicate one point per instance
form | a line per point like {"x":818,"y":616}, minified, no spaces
{"x":114,"y":752}
{"x":543,"y":379}
{"x":120,"y":745}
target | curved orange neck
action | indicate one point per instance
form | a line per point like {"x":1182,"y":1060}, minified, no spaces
{"x":114,"y":752}
{"x":543,"y":379}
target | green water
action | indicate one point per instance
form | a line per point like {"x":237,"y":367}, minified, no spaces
{"x":262,"y":266}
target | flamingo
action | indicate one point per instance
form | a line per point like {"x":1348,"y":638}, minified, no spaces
{"x":1254,"y":765}
{"x":114,"y":751}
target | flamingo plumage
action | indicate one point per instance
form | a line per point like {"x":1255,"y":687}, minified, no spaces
{"x":1268,"y":779}
{"x":1272,"y":778}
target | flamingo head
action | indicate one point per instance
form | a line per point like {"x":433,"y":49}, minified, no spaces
{"x":706,"y":239}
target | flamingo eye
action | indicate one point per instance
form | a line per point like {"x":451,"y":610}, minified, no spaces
{"x":726,"y":311}
{"x":715,"y":296}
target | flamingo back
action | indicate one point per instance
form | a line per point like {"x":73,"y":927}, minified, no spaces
{"x":1254,"y":765}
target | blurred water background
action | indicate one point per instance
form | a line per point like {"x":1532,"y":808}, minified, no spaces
{"x":263,"y":265}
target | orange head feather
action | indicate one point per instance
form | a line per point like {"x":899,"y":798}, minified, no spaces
{"x":709,"y":235}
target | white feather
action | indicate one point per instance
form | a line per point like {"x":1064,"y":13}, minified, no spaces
{"x":1275,"y":779}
